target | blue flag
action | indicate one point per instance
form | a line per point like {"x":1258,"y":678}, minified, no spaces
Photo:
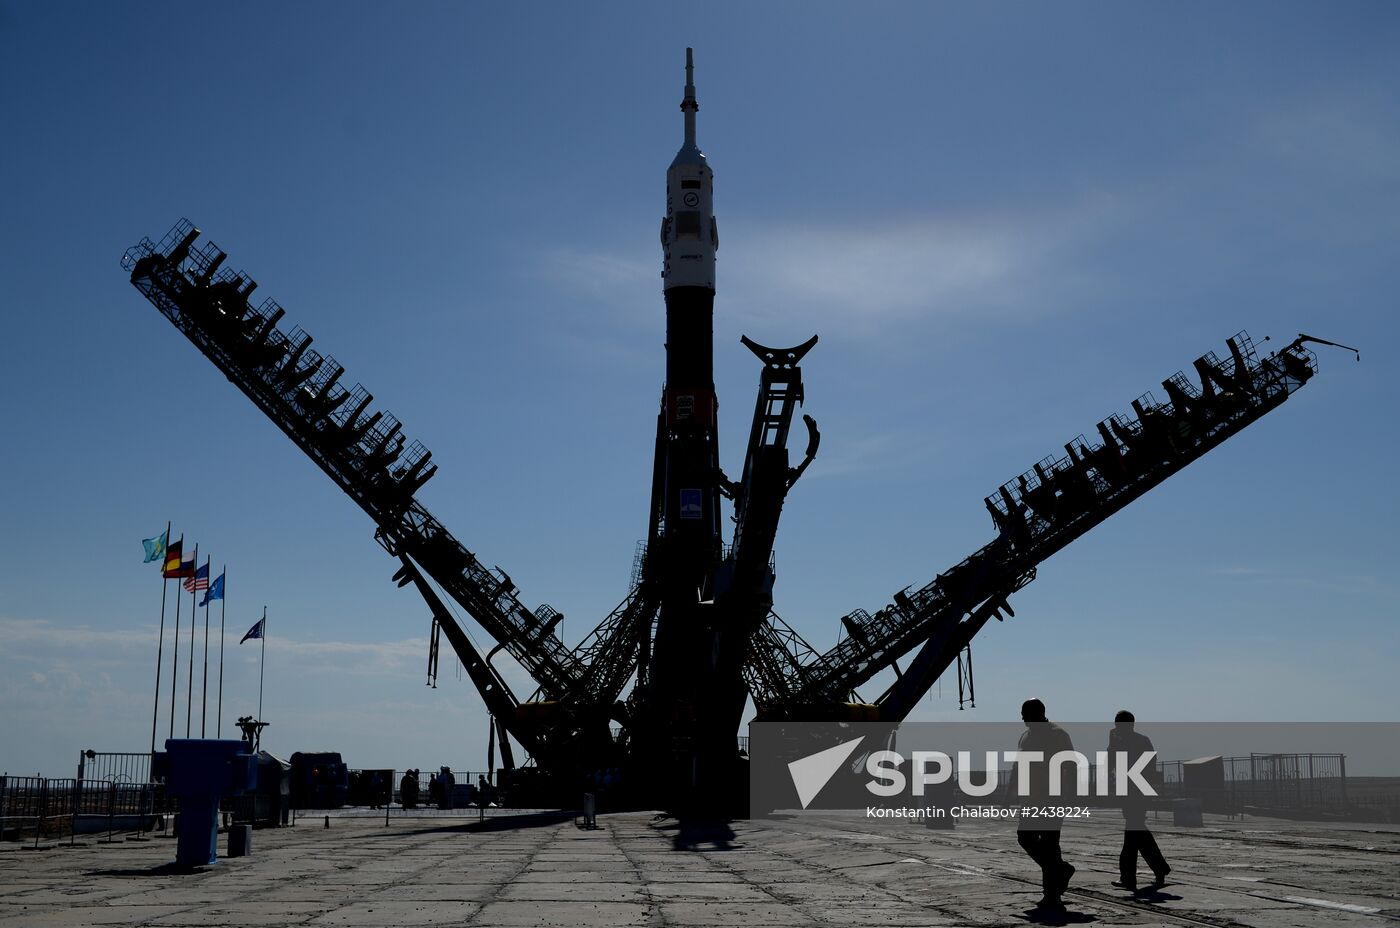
{"x":215,"y":591}
{"x":255,"y":632}
{"x":155,"y":547}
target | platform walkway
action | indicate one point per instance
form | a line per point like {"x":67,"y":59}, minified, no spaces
{"x":634,"y":870}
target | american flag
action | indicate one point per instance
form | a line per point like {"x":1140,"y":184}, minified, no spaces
{"x":200,"y":580}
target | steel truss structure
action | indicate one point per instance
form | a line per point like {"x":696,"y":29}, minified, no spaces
{"x":565,"y":726}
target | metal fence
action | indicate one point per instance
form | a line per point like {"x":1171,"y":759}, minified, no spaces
{"x":1283,"y":782}
{"x":45,"y":808}
{"x":118,"y":767}
{"x":1267,"y":783}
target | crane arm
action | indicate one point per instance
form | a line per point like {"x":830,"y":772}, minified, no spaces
{"x":365,"y":453}
{"x":1036,"y":515}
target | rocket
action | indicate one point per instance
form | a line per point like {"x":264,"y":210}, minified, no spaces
{"x":709,"y":602}
{"x":690,"y":509}
{"x":685,"y":542}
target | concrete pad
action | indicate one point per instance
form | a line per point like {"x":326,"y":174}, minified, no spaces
{"x":443,"y":892}
{"x":564,"y":915}
{"x":382,"y":912}
{"x":574,"y":892}
{"x":680,"y":875}
{"x":59,"y":917}
{"x":692,"y":912}
{"x":834,"y":870}
{"x":710,"y":891}
{"x":565,"y":877}
{"x":248,"y":913}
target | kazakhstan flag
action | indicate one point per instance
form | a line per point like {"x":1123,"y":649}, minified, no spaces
{"x":155,"y":547}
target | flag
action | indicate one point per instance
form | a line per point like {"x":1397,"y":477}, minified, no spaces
{"x":155,"y":547}
{"x":175,"y":564}
{"x":216,"y":591}
{"x":255,"y":632}
{"x":199,"y":580}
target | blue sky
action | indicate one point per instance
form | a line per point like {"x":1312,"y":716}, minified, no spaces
{"x":1005,"y":221}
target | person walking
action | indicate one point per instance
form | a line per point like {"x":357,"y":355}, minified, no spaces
{"x":1136,"y":838}
{"x":1037,"y":827}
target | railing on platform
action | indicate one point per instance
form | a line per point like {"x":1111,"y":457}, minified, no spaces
{"x":118,"y":767}
{"x":46,"y":808}
{"x":1274,"y":782}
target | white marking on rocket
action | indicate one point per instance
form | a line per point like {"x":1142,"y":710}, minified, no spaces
{"x":689,"y":237}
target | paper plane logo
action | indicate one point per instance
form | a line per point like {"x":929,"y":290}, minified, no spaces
{"x":814,"y":771}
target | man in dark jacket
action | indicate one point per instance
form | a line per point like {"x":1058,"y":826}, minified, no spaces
{"x":1136,"y":838}
{"x":1038,"y":831}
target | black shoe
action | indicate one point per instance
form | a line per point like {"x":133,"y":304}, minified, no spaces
{"x":1052,"y":903}
{"x":1159,"y":881}
{"x":1124,"y":884}
{"x":1067,"y":874}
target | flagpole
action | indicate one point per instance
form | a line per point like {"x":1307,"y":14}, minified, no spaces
{"x":194,"y":617}
{"x":204,"y":690}
{"x":175,"y":662}
{"x":223,"y":612}
{"x":160,"y":647}
{"x":262,"y":663}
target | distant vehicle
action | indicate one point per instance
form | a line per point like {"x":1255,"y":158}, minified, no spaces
{"x":371,"y":787}
{"x":320,"y":780}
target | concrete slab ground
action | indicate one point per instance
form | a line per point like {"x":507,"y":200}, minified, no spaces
{"x":635,"y":869}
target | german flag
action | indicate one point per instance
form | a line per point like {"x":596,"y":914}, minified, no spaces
{"x":175,"y":564}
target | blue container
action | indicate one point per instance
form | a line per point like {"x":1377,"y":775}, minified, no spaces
{"x":200,"y":772}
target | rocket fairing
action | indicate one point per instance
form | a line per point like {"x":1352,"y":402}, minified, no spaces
{"x":689,"y":238}
{"x":688,"y":245}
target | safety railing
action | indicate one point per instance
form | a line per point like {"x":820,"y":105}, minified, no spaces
{"x":39,"y":808}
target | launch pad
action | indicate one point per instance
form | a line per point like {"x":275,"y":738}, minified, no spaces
{"x":659,"y":687}
{"x":828,"y":869}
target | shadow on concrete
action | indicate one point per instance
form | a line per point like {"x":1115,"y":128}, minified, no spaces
{"x":1039,"y":916}
{"x":495,"y":823}
{"x":698,"y":834}
{"x":167,"y":869}
{"x":1155,"y":895}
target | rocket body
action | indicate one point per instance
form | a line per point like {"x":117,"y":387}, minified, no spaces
{"x":690,"y":513}
{"x":686,"y":543}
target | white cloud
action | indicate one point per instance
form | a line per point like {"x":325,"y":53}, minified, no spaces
{"x":18,"y":633}
{"x":1348,"y":135}
{"x":42,"y":642}
{"x":882,"y":271}
{"x":869,"y":273}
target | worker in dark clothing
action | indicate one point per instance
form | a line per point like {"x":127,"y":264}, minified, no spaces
{"x":408,"y":789}
{"x":446,"y":783}
{"x":1037,"y":828}
{"x":1136,"y":838}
